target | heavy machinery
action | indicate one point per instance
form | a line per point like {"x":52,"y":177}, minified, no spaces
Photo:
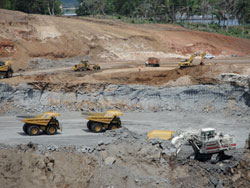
{"x":85,"y":66}
{"x":6,"y":70}
{"x":46,"y":123}
{"x":152,"y":62}
{"x":206,"y":143}
{"x":189,"y":62}
{"x":100,"y":122}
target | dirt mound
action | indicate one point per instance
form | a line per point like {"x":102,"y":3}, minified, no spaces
{"x":182,"y":81}
{"x":7,"y":48}
{"x":129,"y":162}
{"x":194,"y":75}
{"x":105,"y":40}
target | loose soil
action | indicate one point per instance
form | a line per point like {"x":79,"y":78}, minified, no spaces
{"x":25,"y":36}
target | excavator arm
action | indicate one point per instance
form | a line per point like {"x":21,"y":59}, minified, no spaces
{"x":202,"y":58}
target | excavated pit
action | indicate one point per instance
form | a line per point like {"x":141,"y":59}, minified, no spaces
{"x":123,"y":158}
{"x":128,"y":161}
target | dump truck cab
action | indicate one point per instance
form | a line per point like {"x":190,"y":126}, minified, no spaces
{"x":100,"y":122}
{"x":6,"y":70}
{"x":47,"y":123}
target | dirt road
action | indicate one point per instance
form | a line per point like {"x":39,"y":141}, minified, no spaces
{"x":76,"y":133}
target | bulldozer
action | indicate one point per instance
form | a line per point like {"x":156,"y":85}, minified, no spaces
{"x":85,"y":66}
{"x":46,"y":123}
{"x":6,"y":70}
{"x":100,"y":122}
{"x":152,"y":62}
{"x":189,"y":62}
{"x":206,"y":143}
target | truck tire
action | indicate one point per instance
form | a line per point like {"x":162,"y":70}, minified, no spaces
{"x":25,"y":128}
{"x":33,"y":130}
{"x":9,"y":73}
{"x":97,"y":127}
{"x":114,"y":126}
{"x":89,"y":125}
{"x":51,"y":129}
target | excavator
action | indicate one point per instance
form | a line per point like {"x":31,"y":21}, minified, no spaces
{"x":6,"y":70}
{"x":207,"y":143}
{"x":189,"y":62}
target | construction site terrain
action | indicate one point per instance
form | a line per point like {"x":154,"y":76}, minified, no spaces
{"x":44,"y":49}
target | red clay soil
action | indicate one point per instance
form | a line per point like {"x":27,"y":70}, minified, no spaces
{"x":28,"y":36}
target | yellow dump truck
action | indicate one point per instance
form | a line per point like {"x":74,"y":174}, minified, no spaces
{"x":46,"y":123}
{"x":100,"y":122}
{"x":85,"y":66}
{"x":6,"y":69}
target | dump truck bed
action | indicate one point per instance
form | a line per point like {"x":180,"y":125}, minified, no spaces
{"x":43,"y":119}
{"x":105,"y":118}
{"x":102,"y":119}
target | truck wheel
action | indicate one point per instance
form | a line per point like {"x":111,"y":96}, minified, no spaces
{"x":57,"y":124}
{"x":89,"y":125}
{"x":33,"y":130}
{"x":9,"y":74}
{"x":51,"y":129}
{"x":114,"y":126}
{"x":97,"y":127}
{"x":25,"y":128}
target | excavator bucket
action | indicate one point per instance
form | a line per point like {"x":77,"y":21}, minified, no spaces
{"x":164,"y":135}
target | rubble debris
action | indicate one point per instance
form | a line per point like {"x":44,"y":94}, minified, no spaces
{"x":110,"y":160}
{"x":247,"y":145}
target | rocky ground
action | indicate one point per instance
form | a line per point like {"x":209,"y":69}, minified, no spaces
{"x":230,"y":95}
{"x":128,"y":161}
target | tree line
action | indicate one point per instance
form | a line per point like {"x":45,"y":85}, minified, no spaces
{"x":169,"y":10}
{"x":50,"y":7}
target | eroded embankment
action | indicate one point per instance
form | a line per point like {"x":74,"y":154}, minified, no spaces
{"x":230,"y":97}
{"x":129,"y":161}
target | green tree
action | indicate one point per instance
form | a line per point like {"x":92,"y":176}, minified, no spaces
{"x":5,"y":4}
{"x":243,"y":11}
{"x":83,"y":9}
